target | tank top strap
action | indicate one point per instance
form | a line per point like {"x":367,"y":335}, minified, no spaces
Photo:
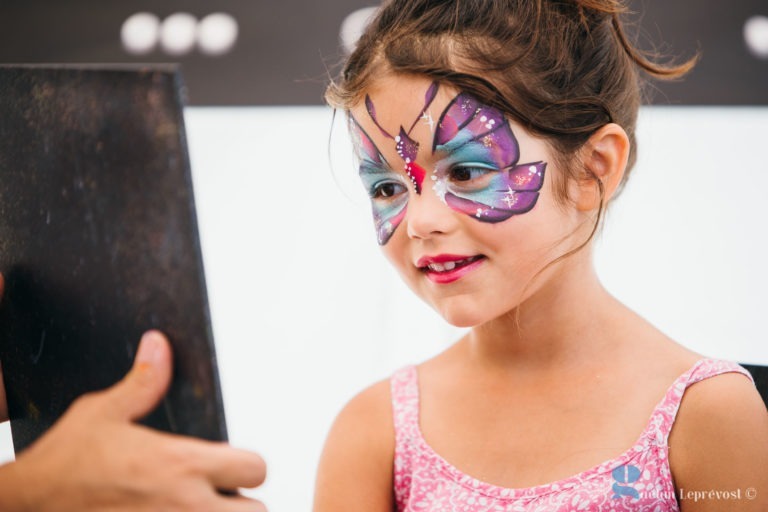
{"x":664,"y":414}
{"x":405,"y":399}
{"x":405,"y":410}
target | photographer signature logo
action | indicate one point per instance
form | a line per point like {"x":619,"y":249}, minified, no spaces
{"x":624,"y":476}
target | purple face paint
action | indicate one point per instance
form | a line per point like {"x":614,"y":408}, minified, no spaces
{"x":407,"y":148}
{"x":387,"y":189}
{"x":479,"y":175}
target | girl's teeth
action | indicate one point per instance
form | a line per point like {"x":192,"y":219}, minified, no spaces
{"x":446,"y":267}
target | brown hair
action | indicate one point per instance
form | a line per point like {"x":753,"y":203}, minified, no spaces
{"x":561,"y":68}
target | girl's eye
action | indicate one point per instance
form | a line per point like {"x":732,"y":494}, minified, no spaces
{"x":387,"y":189}
{"x":466,"y":173}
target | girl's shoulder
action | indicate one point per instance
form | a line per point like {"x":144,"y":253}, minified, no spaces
{"x":366,"y":420}
{"x":356,"y":463}
{"x":719,"y":439}
{"x":718,"y":395}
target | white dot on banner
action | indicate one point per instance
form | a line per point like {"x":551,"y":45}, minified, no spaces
{"x":756,"y":36}
{"x":353,"y":26}
{"x":217,"y":33}
{"x":178,"y":33}
{"x":140,"y":33}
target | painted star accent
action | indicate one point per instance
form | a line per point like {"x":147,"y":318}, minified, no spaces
{"x":427,"y":118}
{"x":513,"y":189}
{"x":510,"y":198}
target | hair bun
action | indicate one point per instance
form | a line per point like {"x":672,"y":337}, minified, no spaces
{"x":601,"y":6}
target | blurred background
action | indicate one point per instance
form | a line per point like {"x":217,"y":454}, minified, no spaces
{"x":306,"y":312}
{"x":254,"y":52}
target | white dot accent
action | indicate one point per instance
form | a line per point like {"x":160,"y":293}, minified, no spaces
{"x":140,"y":33}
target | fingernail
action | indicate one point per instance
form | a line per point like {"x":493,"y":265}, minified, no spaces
{"x":150,"y":349}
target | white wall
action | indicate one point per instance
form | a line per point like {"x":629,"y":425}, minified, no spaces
{"x":306,"y":312}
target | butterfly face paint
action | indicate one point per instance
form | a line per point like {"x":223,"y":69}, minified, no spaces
{"x":479,"y":175}
{"x":406,"y":147}
{"x":387,"y":189}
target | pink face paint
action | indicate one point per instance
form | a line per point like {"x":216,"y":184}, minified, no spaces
{"x":407,"y":148}
{"x":387,"y":189}
{"x":479,"y":174}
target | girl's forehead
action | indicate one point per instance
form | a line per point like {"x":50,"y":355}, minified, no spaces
{"x":397,"y":98}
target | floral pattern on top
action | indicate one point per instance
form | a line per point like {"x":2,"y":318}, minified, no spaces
{"x":638,"y":480}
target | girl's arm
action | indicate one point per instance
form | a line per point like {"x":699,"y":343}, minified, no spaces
{"x":355,"y":471}
{"x":719,"y":445}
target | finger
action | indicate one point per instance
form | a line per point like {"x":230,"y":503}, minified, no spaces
{"x":239,"y":504}
{"x":236,"y":469}
{"x":230,"y":468}
{"x":145,"y":385}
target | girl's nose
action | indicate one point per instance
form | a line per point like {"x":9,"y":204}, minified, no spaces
{"x":427,"y":216}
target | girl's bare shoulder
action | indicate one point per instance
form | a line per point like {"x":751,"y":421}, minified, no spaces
{"x":356,"y":463}
{"x":720,"y":440}
{"x":366,"y":421}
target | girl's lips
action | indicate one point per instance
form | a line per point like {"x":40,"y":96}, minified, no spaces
{"x":446,"y":269}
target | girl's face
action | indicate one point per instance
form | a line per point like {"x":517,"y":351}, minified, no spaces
{"x":462,"y":198}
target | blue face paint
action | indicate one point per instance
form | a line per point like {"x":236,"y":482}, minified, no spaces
{"x":387,"y":189}
{"x":479,"y":175}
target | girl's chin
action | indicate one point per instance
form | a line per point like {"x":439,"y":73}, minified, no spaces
{"x":459,"y":316}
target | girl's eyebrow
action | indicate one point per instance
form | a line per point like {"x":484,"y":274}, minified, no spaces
{"x":465,"y":154}
{"x":429,"y":97}
{"x":448,"y":148}
{"x":368,"y":167}
{"x":365,"y":139}
{"x":459,"y":128}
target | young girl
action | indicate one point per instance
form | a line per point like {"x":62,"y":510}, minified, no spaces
{"x":492,"y":135}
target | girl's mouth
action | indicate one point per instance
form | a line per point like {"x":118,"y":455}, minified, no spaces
{"x":446,"y":268}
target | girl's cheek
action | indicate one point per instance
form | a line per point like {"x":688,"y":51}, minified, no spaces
{"x":398,"y":256}
{"x":386,"y":219}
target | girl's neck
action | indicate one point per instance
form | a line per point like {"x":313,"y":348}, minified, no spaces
{"x":560,"y":323}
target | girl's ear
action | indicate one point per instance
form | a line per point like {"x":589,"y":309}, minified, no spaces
{"x":605,"y":157}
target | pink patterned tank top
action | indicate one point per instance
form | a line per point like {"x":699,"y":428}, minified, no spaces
{"x":637,"y":480}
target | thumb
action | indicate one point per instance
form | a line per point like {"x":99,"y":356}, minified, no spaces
{"x":145,"y":385}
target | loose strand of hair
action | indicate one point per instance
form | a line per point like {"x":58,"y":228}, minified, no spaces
{"x":571,"y":252}
{"x":671,"y":72}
